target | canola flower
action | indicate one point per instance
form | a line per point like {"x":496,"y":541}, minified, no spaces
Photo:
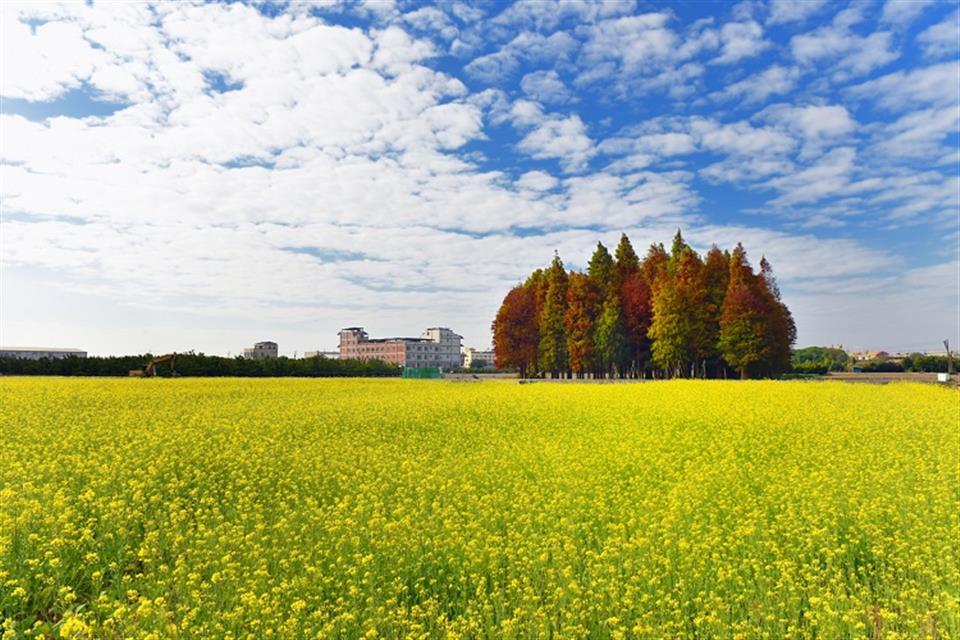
{"x":195,"y":508}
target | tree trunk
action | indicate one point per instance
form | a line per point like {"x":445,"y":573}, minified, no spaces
{"x":743,"y":374}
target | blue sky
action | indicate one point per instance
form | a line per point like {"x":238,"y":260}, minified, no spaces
{"x":204,"y":176}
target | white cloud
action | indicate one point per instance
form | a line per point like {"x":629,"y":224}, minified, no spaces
{"x":900,"y":13}
{"x":434,"y":20}
{"x":919,"y":134}
{"x":537,"y":181}
{"x":525,"y":47}
{"x":942,"y":40}
{"x":851,"y":54}
{"x":784,"y":11}
{"x":829,"y":176}
{"x":774,"y":80}
{"x":934,"y":85}
{"x":740,"y":40}
{"x":46,"y":63}
{"x":561,"y":138}
{"x":813,"y":122}
{"x":546,"y":86}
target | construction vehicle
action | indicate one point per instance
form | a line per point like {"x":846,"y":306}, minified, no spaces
{"x":149,"y":370}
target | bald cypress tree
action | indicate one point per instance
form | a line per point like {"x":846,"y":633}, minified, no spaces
{"x":580,"y":321}
{"x":627,"y":263}
{"x":553,"y":339}
{"x":654,"y":263}
{"x":716,"y":273}
{"x":742,"y":320}
{"x":780,"y":332}
{"x":600,"y":269}
{"x":516,"y":332}
{"x":611,"y":341}
{"x":676,"y":250}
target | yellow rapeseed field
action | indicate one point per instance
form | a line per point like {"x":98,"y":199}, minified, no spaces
{"x":422,"y":509}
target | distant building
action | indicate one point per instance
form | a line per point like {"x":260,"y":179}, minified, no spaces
{"x":868,"y":355}
{"x":437,"y":347}
{"x":471,"y":355}
{"x":332,"y":355}
{"x":36,"y":353}
{"x":261,"y":351}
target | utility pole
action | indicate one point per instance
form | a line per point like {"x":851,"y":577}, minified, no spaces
{"x":946,"y":344}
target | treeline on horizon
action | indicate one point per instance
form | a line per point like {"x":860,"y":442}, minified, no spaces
{"x":821,"y":360}
{"x":201,"y":365}
{"x":670,"y":314}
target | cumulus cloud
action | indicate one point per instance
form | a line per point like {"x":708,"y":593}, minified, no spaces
{"x":900,"y":13}
{"x":537,"y":181}
{"x":851,"y":54}
{"x":561,"y":138}
{"x":815,"y":123}
{"x":525,"y":47}
{"x":934,"y":85}
{"x":740,"y":40}
{"x":774,"y":80}
{"x":942,"y":39}
{"x":784,"y":11}
{"x":546,"y":86}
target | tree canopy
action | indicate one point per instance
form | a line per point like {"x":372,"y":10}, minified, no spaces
{"x":665,"y":315}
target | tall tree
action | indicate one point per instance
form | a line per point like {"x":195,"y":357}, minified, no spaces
{"x":627,"y":262}
{"x":611,"y":342}
{"x":637,"y":314}
{"x":697,"y":307}
{"x":553,"y":338}
{"x":682,"y":309}
{"x":600,"y":269}
{"x":780,"y":332}
{"x":654,"y":263}
{"x":668,"y":329}
{"x":742,"y":319}
{"x":516,"y":332}
{"x":583,"y":302}
{"x":676,"y":250}
{"x":716,"y":273}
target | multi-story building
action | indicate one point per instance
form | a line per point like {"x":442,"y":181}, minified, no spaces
{"x":485,"y":358}
{"x":36,"y":353}
{"x":261,"y":350}
{"x":437,"y":347}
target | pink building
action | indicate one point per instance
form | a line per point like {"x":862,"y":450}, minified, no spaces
{"x":438,"y":347}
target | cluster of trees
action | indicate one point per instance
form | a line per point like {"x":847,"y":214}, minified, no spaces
{"x":673,"y":314}
{"x":922,"y":362}
{"x":200,"y":365}
{"x":916,"y":362}
{"x":819,"y":360}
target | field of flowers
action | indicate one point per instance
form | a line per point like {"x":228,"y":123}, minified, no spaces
{"x":423,"y":509}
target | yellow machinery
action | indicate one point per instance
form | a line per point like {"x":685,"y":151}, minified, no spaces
{"x":149,"y":370}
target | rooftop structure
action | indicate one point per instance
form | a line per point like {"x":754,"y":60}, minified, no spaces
{"x":36,"y":353}
{"x":437,"y":347}
{"x":333,"y":355}
{"x":482,"y":358}
{"x":261,"y":350}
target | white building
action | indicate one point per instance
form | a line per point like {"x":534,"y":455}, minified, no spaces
{"x":471,"y":355}
{"x":36,"y":353}
{"x":446,"y":347}
{"x":261,"y":351}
